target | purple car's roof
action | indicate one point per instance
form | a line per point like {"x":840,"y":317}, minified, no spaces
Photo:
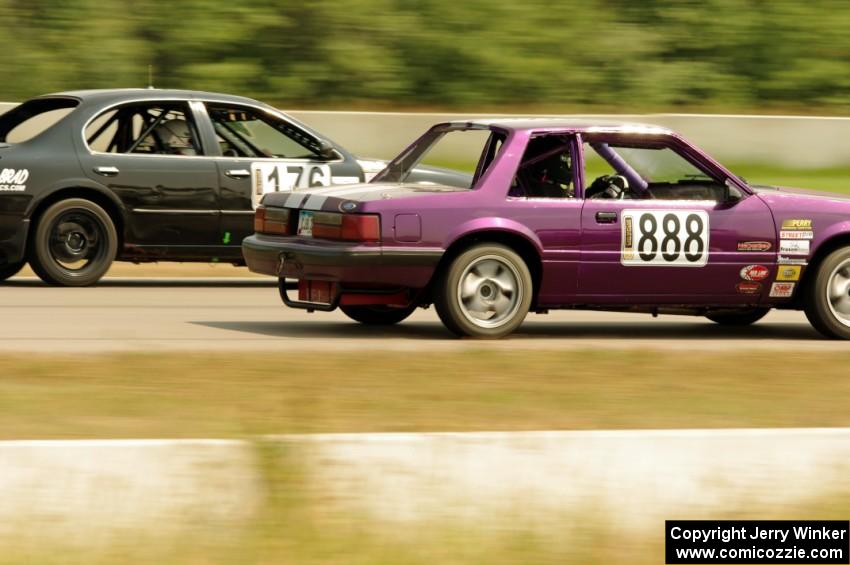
{"x":563,"y":124}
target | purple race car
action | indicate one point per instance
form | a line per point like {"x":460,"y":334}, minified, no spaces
{"x":559,"y":214}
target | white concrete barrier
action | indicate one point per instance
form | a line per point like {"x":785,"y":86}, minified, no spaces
{"x":88,"y":492}
{"x":792,"y":141}
{"x":632,"y":479}
{"x":93,"y":490}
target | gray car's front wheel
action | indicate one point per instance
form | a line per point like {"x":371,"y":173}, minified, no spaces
{"x":827,"y":300}
{"x":74,"y":243}
{"x":485,"y":292}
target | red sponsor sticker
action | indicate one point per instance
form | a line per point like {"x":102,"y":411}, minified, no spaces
{"x":755,"y":273}
{"x":754,"y":246}
{"x":748,"y":288}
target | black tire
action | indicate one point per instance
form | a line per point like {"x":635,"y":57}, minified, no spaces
{"x":73,"y":244}
{"x":507,"y":278}
{"x":377,"y":315}
{"x":830,"y":316}
{"x":738,"y":318}
{"x":10,"y":270}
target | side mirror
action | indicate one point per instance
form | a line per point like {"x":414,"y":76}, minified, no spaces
{"x":732,"y":193}
{"x":326,"y":150}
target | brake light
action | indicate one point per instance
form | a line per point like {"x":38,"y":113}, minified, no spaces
{"x":273,"y":221}
{"x":347,"y":227}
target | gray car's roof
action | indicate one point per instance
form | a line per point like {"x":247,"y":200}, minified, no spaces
{"x":563,"y":124}
{"x":130,"y":94}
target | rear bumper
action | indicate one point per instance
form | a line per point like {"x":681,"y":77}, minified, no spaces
{"x":13,"y":238}
{"x":340,"y":262}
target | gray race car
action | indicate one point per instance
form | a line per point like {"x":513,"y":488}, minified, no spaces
{"x":89,"y":177}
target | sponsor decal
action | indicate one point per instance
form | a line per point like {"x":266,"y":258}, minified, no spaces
{"x":782,"y":289}
{"x":795,"y":246}
{"x":748,"y":287}
{"x":755,"y":273}
{"x":14,"y":180}
{"x":664,"y":238}
{"x":796,"y":224}
{"x":788,"y":272}
{"x":754,"y":246}
{"x":628,"y":235}
{"x":791,"y":261}
{"x":802,"y":234}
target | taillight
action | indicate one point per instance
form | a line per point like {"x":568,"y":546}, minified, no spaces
{"x":273,"y":221}
{"x":347,"y":227}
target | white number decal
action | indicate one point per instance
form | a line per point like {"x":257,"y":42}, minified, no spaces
{"x":284,"y":177}
{"x":672,"y":238}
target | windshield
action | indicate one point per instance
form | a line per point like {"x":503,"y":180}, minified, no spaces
{"x":459,"y":148}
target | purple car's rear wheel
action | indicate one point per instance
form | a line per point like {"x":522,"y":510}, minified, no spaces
{"x":827,"y":300}
{"x":485,"y":292}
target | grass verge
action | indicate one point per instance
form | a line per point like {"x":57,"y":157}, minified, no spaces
{"x":243,"y":395}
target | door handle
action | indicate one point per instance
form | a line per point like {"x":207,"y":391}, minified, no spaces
{"x":107,"y":171}
{"x":238,"y":173}
{"x":606,"y":217}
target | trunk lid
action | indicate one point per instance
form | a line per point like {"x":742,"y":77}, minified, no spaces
{"x":350,"y":197}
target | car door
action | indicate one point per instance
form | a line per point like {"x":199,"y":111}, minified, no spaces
{"x":151,"y":156}
{"x":688,"y":238}
{"x":259,"y":151}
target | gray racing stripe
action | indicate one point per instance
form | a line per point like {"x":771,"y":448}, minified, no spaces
{"x":314,"y":202}
{"x":294,"y":200}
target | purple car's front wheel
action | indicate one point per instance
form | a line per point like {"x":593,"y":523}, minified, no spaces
{"x":828,"y":295}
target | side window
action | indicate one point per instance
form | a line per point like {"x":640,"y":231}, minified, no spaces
{"x":546,"y":170}
{"x":245,"y":132}
{"x":145,"y":129}
{"x":620,"y":168}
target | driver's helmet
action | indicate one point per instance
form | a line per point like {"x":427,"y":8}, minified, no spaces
{"x":554,"y":171}
{"x":176,"y":136}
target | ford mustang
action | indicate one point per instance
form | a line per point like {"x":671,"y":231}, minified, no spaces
{"x":559,"y":214}
{"x":151,"y":175}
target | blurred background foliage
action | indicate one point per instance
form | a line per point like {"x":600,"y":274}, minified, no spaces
{"x":614,"y":55}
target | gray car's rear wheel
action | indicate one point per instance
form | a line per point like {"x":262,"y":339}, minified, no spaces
{"x":738,"y":318}
{"x":485,"y":292}
{"x":10,"y":270}
{"x":74,"y":243}
{"x":377,"y":315}
{"x":827,"y":300}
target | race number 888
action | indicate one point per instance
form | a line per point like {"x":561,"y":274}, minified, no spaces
{"x":674,"y":238}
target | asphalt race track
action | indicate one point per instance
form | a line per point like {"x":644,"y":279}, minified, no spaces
{"x":246,"y":314}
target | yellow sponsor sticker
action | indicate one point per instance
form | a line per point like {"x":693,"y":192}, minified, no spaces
{"x":796,"y":224}
{"x":628,"y":238}
{"x":788,"y":273}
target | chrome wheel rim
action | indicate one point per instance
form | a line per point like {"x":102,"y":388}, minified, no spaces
{"x":489,"y":293}
{"x":838,"y":293}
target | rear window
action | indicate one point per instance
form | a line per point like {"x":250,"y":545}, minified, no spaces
{"x":33,"y":117}
{"x":466,"y":150}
